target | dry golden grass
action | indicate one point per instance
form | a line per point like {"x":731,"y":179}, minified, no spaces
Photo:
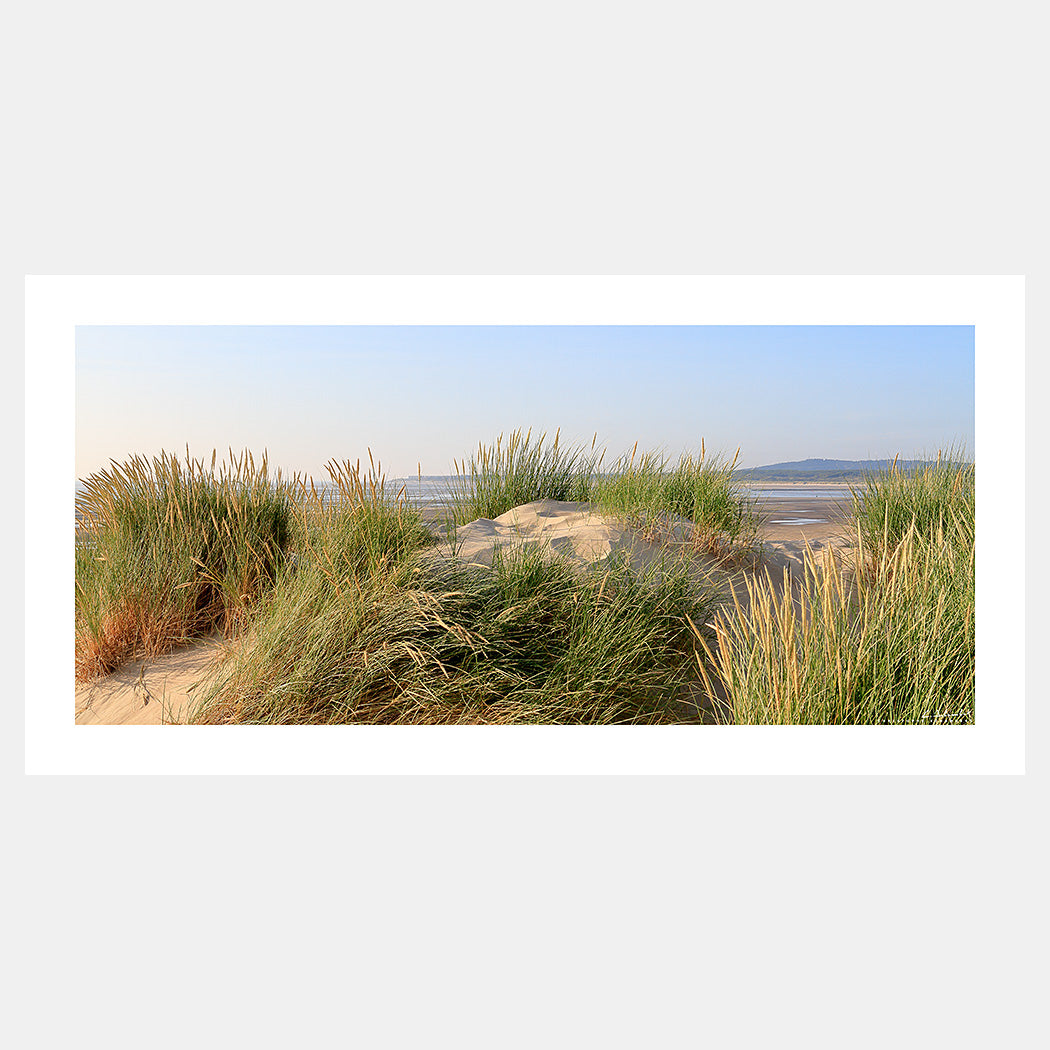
{"x":175,"y":549}
{"x":888,"y":638}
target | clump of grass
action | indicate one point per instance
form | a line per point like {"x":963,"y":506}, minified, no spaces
{"x":502,"y":476}
{"x":174,"y":550}
{"x":432,"y":640}
{"x":650,"y":492}
{"x":358,"y":529}
{"x":890,"y":641}
{"x":647,"y":490}
{"x":892,"y":501}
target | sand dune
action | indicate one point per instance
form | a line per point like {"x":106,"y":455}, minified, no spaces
{"x":574,"y":531}
{"x":570,"y":530}
{"x":160,"y":691}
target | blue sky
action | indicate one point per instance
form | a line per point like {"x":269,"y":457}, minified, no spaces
{"x":428,"y":395}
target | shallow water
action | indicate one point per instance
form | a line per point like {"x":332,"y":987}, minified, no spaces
{"x":797,"y":521}
{"x":799,"y":493}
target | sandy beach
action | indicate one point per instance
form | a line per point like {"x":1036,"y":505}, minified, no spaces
{"x":161,"y":691}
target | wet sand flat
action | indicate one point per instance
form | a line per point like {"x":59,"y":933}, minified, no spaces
{"x":824,"y":519}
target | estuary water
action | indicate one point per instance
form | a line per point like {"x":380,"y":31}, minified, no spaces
{"x":438,"y":489}
{"x":800,"y":492}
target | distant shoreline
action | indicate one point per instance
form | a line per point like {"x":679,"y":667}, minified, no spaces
{"x":770,"y":483}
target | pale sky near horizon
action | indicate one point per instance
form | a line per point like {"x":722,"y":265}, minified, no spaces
{"x":427,"y":395}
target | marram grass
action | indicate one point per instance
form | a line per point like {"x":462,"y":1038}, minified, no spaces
{"x":892,"y":501}
{"x":647,"y":490}
{"x":511,"y":473}
{"x":343,"y":611}
{"x":650,"y":492}
{"x":174,"y":550}
{"x":887,"y":638}
{"x":431,"y":640}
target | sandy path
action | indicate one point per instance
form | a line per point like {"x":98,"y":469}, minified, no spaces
{"x":147,"y":692}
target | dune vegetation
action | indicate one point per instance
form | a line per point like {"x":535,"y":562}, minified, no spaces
{"x":508,"y":474}
{"x":885,"y":637}
{"x":175,"y":550}
{"x":528,"y":640}
{"x":648,"y":490}
{"x":370,"y":629}
{"x":341,"y":608}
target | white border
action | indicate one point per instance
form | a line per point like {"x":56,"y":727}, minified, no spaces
{"x":55,"y":305}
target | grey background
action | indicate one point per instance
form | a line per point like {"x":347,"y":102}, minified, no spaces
{"x":568,"y":138}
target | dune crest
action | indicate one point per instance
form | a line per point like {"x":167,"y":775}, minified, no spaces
{"x":571,"y":530}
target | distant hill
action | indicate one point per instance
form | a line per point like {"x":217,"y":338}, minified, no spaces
{"x":857,"y":465}
{"x":824,"y":469}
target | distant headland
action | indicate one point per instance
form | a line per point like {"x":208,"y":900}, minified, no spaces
{"x":836,"y":470}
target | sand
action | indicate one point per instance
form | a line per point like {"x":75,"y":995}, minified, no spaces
{"x":573,"y":531}
{"x":160,"y":691}
{"x":148,"y":692}
{"x":568,"y":530}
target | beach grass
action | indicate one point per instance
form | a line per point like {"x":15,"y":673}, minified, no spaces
{"x":174,"y":550}
{"x":888,"y":637}
{"x":647,"y":490}
{"x":358,"y":528}
{"x":512,"y":472}
{"x":344,"y":607}
{"x":429,"y":639}
{"x":650,"y":491}
{"x":891,"y":502}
